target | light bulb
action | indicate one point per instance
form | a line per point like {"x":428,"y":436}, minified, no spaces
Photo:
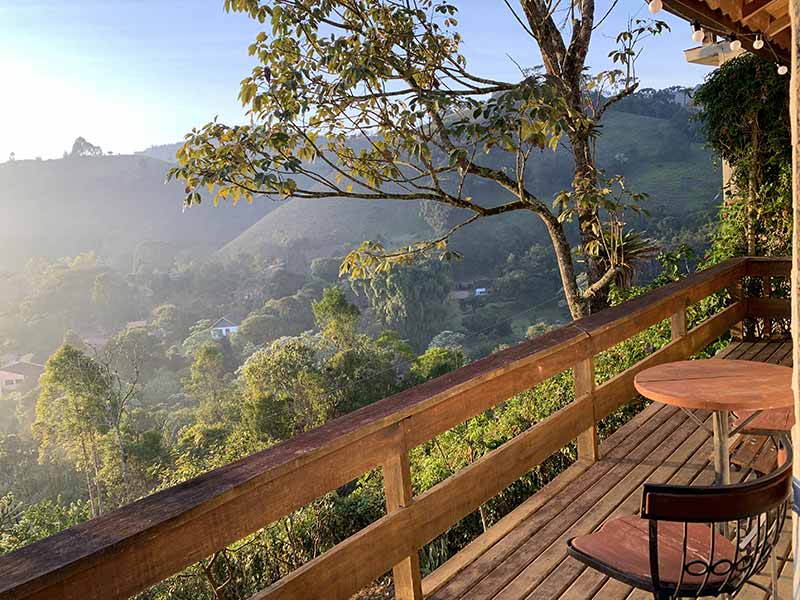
{"x":698,"y":35}
{"x":758,"y":44}
{"x":654,"y":6}
{"x":736,"y":45}
{"x":783,"y":69}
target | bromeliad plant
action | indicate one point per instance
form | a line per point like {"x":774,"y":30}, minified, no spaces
{"x":372,"y":99}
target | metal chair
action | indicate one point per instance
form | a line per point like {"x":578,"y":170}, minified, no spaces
{"x":677,"y":548}
{"x":774,"y":424}
{"x":768,"y":422}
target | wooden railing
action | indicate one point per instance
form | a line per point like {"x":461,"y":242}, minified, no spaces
{"x":128,"y":550}
{"x":767,"y":314}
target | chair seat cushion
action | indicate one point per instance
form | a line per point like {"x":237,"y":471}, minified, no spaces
{"x":621,"y":547}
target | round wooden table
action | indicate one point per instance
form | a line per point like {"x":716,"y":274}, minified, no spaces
{"x":720,"y":386}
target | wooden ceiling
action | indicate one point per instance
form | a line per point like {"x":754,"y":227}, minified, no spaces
{"x":746,"y":18}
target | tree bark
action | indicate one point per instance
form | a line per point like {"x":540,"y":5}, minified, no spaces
{"x":96,"y":464}
{"x":92,"y":501}
{"x":566,"y":268}
{"x":585,"y":183}
{"x":123,"y":460}
{"x":566,"y":64}
{"x":754,"y":182}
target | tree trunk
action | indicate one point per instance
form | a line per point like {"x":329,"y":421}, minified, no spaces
{"x":584,"y":184}
{"x":92,"y":501}
{"x":96,"y":463}
{"x":565,"y":62}
{"x":754,"y":182}
{"x":566,"y":268}
{"x":123,"y":461}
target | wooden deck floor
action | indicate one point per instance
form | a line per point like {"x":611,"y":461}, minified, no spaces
{"x":524,"y":555}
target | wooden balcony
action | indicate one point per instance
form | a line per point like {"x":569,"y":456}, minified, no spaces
{"x":525,"y":554}
{"x":522,"y":556}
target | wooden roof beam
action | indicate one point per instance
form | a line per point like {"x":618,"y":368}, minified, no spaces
{"x":758,"y":7}
{"x":778,"y":25}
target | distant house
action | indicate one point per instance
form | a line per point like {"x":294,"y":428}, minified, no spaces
{"x":222,"y":328}
{"x":459,"y":294}
{"x":481,"y":291}
{"x":19,"y":377}
{"x":136,"y":325}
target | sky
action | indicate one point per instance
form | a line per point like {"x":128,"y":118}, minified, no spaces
{"x":128,"y":74}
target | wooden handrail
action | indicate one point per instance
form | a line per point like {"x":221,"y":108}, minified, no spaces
{"x":123,"y":552}
{"x":769,"y":265}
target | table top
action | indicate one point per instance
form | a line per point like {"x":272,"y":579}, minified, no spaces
{"x":716,"y":384}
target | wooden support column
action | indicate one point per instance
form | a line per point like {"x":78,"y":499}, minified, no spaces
{"x":399,"y":495}
{"x":678,"y":324}
{"x":766,"y":292}
{"x":737,"y":295}
{"x":794,"y":116}
{"x":589,"y":440}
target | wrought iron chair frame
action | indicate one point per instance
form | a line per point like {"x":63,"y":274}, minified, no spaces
{"x":758,"y":507}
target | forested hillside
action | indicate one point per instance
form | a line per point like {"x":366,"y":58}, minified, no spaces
{"x":147,"y":250}
{"x":112,"y":205}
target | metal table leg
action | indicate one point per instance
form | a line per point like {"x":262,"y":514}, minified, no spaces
{"x":722,"y":461}
{"x":774,"y":568}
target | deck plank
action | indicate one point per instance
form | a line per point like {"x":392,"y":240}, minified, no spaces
{"x":729,"y":349}
{"x":585,"y":586}
{"x":738,"y":349}
{"x":559,"y":569}
{"x":434,"y":582}
{"x":753,"y":350}
{"x":468,"y":555}
{"x":550,"y":512}
{"x":596,"y":502}
{"x":688,"y":472}
{"x":523,"y":556}
{"x":766,"y":352}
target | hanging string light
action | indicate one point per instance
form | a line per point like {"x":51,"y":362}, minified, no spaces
{"x":654,"y":6}
{"x":736,"y":45}
{"x":758,"y":44}
{"x":697,"y":32}
{"x":783,"y":69}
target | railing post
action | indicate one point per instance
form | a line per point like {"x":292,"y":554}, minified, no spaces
{"x":397,"y":487}
{"x":678,"y":324}
{"x":588,"y":441}
{"x":766,"y":292}
{"x":737,"y":295}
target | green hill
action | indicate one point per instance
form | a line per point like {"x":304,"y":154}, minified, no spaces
{"x":110,"y":204}
{"x":329,"y":227}
{"x":655,"y":155}
{"x":120,"y":207}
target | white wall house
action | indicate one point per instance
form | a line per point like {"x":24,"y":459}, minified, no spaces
{"x":19,"y":377}
{"x":222,"y":328}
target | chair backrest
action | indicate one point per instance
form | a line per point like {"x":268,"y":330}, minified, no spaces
{"x":751,"y":515}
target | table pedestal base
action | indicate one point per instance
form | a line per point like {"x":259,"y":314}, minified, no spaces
{"x":722,"y":463}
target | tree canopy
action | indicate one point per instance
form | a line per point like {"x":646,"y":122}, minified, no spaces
{"x":745,"y":117}
{"x":81,"y":147}
{"x":374,"y":100}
